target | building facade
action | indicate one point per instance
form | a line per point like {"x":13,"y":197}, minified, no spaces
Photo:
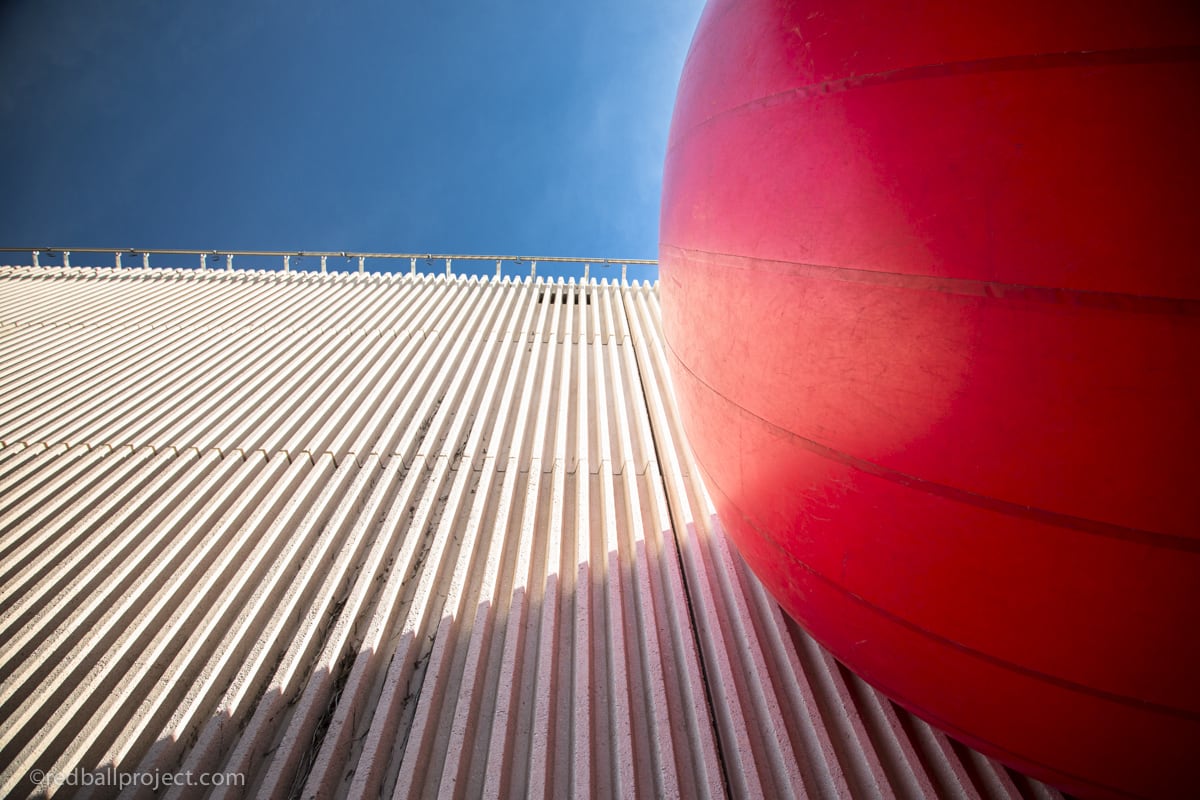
{"x":307,"y":534}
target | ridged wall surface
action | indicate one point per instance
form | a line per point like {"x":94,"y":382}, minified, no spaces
{"x":383,"y":535}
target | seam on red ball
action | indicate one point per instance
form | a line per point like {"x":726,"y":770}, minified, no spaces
{"x":969,"y":287}
{"x":1014,"y":63}
{"x":1058,"y":519}
{"x":1062,"y":683}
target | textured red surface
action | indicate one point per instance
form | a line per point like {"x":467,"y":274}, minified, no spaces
{"x":931,"y":286}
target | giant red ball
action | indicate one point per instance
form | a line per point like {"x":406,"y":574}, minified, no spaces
{"x":931,"y":291}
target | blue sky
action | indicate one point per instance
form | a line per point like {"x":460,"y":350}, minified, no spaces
{"x":526,"y":127}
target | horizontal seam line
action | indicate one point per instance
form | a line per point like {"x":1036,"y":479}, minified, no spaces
{"x":1068,"y":521}
{"x":979,"y":66}
{"x":1062,"y":683}
{"x":971,"y":287}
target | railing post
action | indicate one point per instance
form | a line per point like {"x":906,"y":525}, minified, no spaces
{"x":412,"y":267}
{"x":229,"y":262}
{"x":118,"y":260}
{"x":498,"y":262}
{"x":449,"y":273}
{"x":533,"y":270}
{"x":587,"y":270}
{"x":36,"y":253}
{"x":66,"y":258}
{"x":624,"y":270}
{"x":203,"y":261}
{"x":360,"y":265}
{"x":323,"y":264}
{"x":146,"y":260}
{"x":287,"y":263}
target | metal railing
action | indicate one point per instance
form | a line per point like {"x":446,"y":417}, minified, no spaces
{"x":212,"y":259}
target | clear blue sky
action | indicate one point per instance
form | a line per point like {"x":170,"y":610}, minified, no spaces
{"x":527,"y":127}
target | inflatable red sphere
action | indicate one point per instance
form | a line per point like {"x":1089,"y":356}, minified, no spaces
{"x":931,"y":289}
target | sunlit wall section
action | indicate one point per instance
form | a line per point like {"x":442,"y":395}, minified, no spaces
{"x":350,"y":534}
